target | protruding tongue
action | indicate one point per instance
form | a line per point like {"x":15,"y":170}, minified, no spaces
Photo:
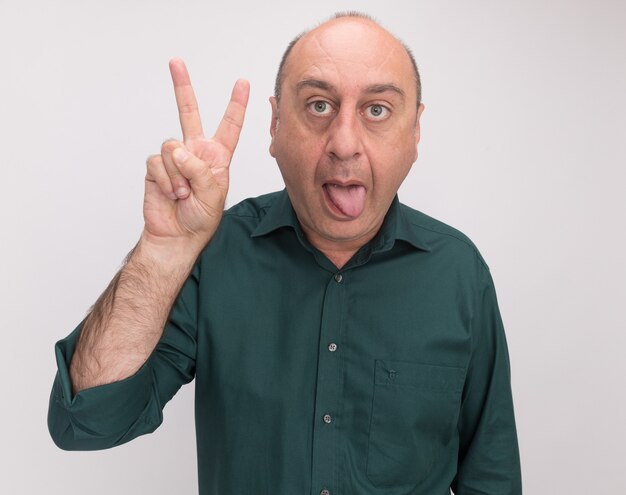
{"x":349,"y":199}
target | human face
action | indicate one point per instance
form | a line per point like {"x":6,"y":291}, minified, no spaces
{"x":345,"y":131}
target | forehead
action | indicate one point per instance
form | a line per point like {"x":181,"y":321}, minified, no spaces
{"x":350,"y":54}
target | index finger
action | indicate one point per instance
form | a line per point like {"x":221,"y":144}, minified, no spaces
{"x":188,"y":113}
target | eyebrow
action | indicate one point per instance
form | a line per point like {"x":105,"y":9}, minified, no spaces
{"x":383,"y":88}
{"x":314,"y":83}
{"x":374,"y":89}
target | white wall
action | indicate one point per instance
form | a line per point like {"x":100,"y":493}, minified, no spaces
{"x":523,"y":149}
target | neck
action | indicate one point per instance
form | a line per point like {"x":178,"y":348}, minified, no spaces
{"x":338,"y":252}
{"x":339,"y":258}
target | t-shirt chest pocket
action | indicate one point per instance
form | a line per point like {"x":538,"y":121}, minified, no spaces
{"x":414,"y":415}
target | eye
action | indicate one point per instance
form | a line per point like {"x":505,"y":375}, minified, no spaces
{"x":377,"y":112}
{"x":320,"y":107}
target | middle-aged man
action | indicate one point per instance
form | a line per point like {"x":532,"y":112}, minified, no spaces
{"x":341,"y":342}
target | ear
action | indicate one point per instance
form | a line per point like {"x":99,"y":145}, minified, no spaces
{"x":420,"y":109}
{"x":274,"y":122}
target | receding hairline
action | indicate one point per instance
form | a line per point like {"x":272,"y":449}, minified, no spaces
{"x":340,"y":15}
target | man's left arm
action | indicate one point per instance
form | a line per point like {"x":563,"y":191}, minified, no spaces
{"x":488,"y":452}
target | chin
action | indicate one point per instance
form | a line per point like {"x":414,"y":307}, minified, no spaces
{"x":344,"y":231}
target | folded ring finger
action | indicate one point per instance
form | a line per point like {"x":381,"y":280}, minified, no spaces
{"x":179,"y":183}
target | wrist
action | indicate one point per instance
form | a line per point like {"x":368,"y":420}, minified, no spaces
{"x":166,"y":253}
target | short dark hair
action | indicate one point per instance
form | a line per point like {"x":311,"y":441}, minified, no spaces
{"x":359,"y":15}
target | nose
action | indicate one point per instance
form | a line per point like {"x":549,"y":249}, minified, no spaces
{"x":344,"y":136}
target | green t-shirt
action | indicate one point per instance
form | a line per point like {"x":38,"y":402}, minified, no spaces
{"x":389,"y":376}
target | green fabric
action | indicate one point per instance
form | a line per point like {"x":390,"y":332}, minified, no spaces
{"x":417,"y":389}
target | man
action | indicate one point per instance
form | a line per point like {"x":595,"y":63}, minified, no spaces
{"x":341,"y":342}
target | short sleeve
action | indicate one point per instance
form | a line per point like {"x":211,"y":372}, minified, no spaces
{"x":115,"y":413}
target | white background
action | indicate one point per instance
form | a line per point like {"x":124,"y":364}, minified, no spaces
{"x":523,"y":149}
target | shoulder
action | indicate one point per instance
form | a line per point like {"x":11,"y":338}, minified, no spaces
{"x":252,"y":208}
{"x":239,"y":222}
{"x":442,"y":239}
{"x":245,"y":216}
{"x":233,"y":238}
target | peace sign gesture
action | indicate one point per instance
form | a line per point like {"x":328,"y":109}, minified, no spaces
{"x":186,"y":184}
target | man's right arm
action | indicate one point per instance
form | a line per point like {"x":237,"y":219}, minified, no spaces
{"x":185,"y":191}
{"x":125,"y":324}
{"x":110,"y":414}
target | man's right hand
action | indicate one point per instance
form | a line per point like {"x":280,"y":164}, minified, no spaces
{"x":186,"y":185}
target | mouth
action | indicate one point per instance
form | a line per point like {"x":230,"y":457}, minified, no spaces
{"x":346,"y":200}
